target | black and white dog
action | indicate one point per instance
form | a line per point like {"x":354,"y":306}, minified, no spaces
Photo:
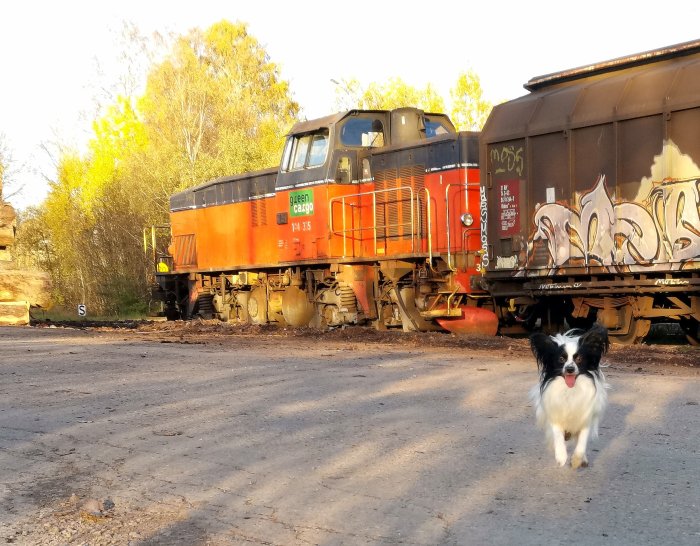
{"x":571,"y":395}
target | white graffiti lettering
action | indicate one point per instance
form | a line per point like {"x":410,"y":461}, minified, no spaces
{"x":671,"y":282}
{"x":676,"y":209}
{"x":483,"y":210}
{"x":604,"y":233}
{"x":559,"y":286}
{"x":506,"y":262}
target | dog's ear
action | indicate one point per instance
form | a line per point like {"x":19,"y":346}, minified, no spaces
{"x":543,"y":346}
{"x":595,"y":343}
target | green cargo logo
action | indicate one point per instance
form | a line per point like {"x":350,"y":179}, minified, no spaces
{"x":301,"y":203}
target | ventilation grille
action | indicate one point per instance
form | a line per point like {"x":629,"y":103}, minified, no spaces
{"x":259,"y":212}
{"x":185,"y":250}
{"x":394,"y":207}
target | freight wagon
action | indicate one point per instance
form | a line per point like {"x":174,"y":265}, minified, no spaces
{"x":591,"y":189}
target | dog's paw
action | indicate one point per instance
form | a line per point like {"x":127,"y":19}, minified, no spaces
{"x":579,"y":461}
{"x":560,"y":458}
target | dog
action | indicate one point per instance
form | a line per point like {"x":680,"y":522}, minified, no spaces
{"x":571,"y":395}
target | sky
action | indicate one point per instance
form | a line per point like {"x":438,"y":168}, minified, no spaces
{"x":56,"y":58}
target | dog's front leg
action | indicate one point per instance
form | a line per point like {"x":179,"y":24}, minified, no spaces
{"x":559,"y":445}
{"x":578,"y":458}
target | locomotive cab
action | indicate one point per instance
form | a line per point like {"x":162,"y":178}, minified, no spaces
{"x":335,"y":148}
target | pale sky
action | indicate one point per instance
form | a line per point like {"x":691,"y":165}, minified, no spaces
{"x":50,"y":51}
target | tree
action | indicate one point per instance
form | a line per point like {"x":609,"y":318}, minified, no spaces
{"x":3,"y":165}
{"x":469,"y":109}
{"x":395,"y":93}
{"x":6,"y":169}
{"x":33,"y":248}
{"x":348,"y":94}
{"x":214,"y":106}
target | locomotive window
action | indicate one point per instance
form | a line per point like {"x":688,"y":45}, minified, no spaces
{"x":306,"y":151}
{"x":319,"y":148}
{"x":287,"y":153}
{"x":301,"y":149}
{"x":364,"y":132}
{"x":435,"y":128}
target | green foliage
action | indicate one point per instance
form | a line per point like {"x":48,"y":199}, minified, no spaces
{"x":395,"y":93}
{"x":214,"y":106}
{"x":469,"y":108}
{"x":5,"y":167}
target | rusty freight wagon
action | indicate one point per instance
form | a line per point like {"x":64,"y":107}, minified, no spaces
{"x":591,"y":189}
{"x":372,"y":215}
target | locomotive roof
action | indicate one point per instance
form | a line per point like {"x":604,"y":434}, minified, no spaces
{"x":230,"y":178}
{"x":638,"y":85}
{"x":326,"y":121}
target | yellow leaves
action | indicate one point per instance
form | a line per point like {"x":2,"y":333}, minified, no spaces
{"x":224,"y":37}
{"x":214,"y":106}
{"x":469,"y":109}
{"x":119,"y":136}
{"x":396,"y":93}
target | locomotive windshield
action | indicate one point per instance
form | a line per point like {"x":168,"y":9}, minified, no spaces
{"x":305,"y":151}
{"x":435,"y":128}
{"x":437,"y":125}
{"x":362,"y":132}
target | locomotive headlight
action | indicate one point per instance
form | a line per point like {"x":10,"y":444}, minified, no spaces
{"x":467,"y":219}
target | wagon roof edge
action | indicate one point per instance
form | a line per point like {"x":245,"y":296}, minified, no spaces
{"x":619,"y":63}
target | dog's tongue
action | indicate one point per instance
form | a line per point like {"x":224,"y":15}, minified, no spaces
{"x":570,"y":380}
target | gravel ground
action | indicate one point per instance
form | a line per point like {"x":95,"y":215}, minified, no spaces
{"x":206,"y":434}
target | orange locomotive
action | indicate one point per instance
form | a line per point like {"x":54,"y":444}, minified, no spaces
{"x":372,"y":215}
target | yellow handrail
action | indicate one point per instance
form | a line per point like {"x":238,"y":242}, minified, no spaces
{"x":344,"y":231}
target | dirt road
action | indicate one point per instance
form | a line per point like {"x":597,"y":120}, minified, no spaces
{"x":206,"y":435}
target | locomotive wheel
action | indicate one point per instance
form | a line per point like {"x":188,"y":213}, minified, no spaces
{"x":257,"y":306}
{"x":297,"y":310}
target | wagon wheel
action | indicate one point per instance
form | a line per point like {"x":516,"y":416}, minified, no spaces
{"x":639,"y":328}
{"x":636,"y":331}
{"x":691,"y":329}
